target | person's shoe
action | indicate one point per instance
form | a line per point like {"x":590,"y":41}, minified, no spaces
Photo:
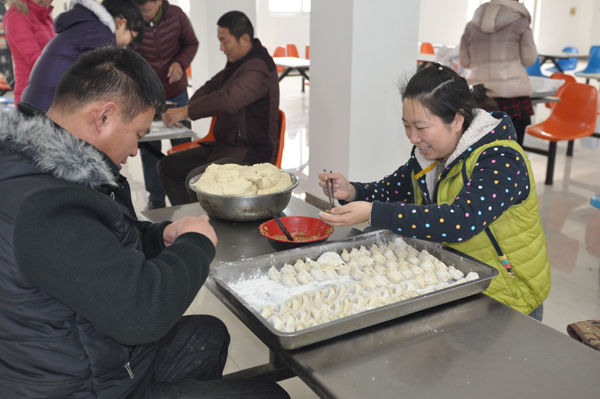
{"x":155,"y":205}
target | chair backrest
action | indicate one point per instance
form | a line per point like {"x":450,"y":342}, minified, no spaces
{"x":308,"y":52}
{"x":569,"y":63}
{"x":578,"y":106}
{"x":593,"y":65}
{"x":292,"y":50}
{"x":281,"y":139}
{"x":560,"y":76}
{"x":535,"y":69}
{"x":427,"y":48}
{"x":279,"y":52}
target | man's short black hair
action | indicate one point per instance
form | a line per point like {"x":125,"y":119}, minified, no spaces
{"x":111,"y":74}
{"x":238,"y":23}
{"x":130,"y":11}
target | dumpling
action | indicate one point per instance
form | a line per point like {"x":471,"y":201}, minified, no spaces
{"x":317,"y":295}
{"x":365,"y":260}
{"x":267,"y":311}
{"x":364,"y":250}
{"x":416,"y":270}
{"x":411,"y":250}
{"x":304,"y":277}
{"x":394,"y":276}
{"x":389,"y":255}
{"x":409,"y":285}
{"x":443,"y":276}
{"x":330,"y":258}
{"x":400,"y":253}
{"x":295,"y":303}
{"x":344,"y":269}
{"x":430,"y":278}
{"x":374,"y":299}
{"x":330,"y":274}
{"x":288,"y":279}
{"x":399,"y":242}
{"x":472,"y":276}
{"x":303,"y":315}
{"x":369,"y":283}
{"x":386,"y":295}
{"x":379,"y":258}
{"x":380,"y":279}
{"x":396,"y":290}
{"x":368,"y":270}
{"x":427,"y":266}
{"x":356,"y":274}
{"x":330,"y":294}
{"x":412,"y":259}
{"x":391,"y":245}
{"x":420,"y":280}
{"x":277,"y":322}
{"x":273,"y":274}
{"x":353,"y":262}
{"x":288,"y":268}
{"x":406,"y":273}
{"x":455,"y":273}
{"x":380,"y":269}
{"x":345,"y":256}
{"x":357,"y":288}
{"x":361,"y":302}
{"x":301,"y":266}
{"x":342,"y":291}
{"x":390,"y":264}
{"x":317,"y":274}
{"x":283,"y":308}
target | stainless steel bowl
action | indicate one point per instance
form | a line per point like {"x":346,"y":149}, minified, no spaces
{"x":244,"y":208}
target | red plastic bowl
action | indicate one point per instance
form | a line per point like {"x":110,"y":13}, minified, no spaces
{"x":304,"y":225}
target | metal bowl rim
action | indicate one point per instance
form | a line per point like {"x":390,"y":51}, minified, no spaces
{"x":295,"y":182}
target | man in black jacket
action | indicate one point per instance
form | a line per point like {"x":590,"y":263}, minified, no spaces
{"x":91,"y":297}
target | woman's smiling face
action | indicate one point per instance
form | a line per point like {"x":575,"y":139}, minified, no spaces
{"x":434,"y":139}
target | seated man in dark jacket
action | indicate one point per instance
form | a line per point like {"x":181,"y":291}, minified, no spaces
{"x":245,"y":98}
{"x":92,"y":298}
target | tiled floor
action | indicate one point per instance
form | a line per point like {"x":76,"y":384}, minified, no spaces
{"x":571,"y":224}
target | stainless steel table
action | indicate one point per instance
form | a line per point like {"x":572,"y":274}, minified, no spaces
{"x":554,"y":57}
{"x":160,"y":131}
{"x":472,"y":348}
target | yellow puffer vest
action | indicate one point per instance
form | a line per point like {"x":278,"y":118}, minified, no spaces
{"x":519,"y":233}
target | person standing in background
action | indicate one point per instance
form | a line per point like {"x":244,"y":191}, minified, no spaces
{"x":497,"y":45}
{"x":87,"y":25}
{"x":169,"y":46}
{"x":28,"y":26}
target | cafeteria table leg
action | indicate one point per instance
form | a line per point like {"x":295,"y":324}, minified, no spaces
{"x":285,"y":73}
{"x":274,"y":371}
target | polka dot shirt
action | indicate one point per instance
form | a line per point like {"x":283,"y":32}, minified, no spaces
{"x":499,"y":180}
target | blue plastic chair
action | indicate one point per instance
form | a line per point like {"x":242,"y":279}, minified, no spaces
{"x":595,"y":201}
{"x":567,"y":64}
{"x":535,"y":69}
{"x":593,"y":65}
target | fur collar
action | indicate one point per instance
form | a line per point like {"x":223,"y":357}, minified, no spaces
{"x":97,"y":8}
{"x":54,"y":150}
{"x":481,"y":125}
{"x":19,"y":5}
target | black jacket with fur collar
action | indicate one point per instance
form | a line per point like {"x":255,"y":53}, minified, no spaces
{"x":86,"y":289}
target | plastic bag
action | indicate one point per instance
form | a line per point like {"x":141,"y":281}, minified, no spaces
{"x":450,"y":58}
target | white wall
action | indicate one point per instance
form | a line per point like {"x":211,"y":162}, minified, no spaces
{"x":442,"y":21}
{"x":278,"y":30}
{"x":355,"y":112}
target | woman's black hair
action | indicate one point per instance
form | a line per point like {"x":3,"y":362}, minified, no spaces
{"x":129,"y":11}
{"x":445,"y":93}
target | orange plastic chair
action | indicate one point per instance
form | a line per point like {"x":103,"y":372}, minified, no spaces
{"x":281,"y":139}
{"x":308,"y":52}
{"x":211,"y":137}
{"x":279,"y":52}
{"x":188,"y":71}
{"x":427,"y":48}
{"x":561,"y":76}
{"x":196,"y":143}
{"x":292,"y":50}
{"x":572,"y":118}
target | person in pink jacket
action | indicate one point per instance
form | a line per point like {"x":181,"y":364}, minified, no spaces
{"x":28,"y":25}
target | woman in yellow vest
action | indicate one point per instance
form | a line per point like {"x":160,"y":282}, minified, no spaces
{"x":467,"y":184}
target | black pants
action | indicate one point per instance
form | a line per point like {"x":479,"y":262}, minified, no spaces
{"x":520,"y":125}
{"x":190,"y":363}
{"x":176,"y":171}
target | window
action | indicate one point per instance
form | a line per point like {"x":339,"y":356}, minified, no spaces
{"x":289,"y":6}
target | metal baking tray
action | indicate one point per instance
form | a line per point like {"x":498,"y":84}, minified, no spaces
{"x":227,"y":274}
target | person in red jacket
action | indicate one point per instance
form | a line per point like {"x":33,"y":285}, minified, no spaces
{"x":169,"y":46}
{"x":28,"y":26}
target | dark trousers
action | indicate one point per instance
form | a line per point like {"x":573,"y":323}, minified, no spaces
{"x":190,"y":363}
{"x":149,"y":161}
{"x":520,"y":125}
{"x":176,"y":171}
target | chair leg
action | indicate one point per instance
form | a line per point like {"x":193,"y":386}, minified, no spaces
{"x":551,"y":159}
{"x":570,"y":148}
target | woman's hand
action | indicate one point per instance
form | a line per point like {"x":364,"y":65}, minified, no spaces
{"x":348,"y":215}
{"x":342,"y":189}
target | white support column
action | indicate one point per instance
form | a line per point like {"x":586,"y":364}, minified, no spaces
{"x":360,"y":51}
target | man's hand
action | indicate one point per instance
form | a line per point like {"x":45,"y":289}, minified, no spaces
{"x":172,"y":116}
{"x":175,"y":72}
{"x":189,"y":224}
